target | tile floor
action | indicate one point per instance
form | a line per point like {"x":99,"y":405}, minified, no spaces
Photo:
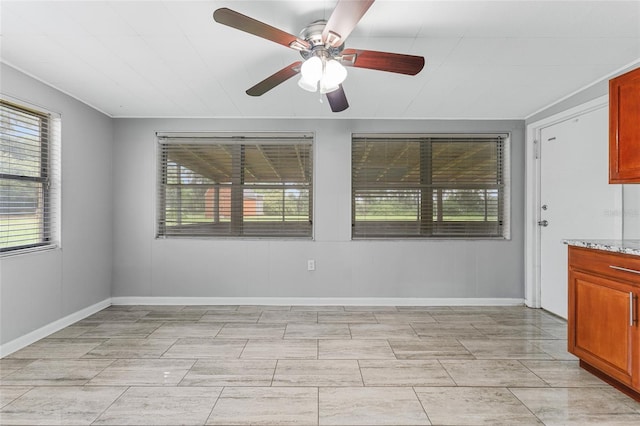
{"x":303,"y":365}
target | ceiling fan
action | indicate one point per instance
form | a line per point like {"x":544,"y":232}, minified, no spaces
{"x":321,"y":45}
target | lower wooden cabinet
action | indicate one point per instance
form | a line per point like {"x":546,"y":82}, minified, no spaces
{"x":603,"y":324}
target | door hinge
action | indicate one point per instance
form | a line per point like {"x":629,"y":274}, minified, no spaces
{"x":536,"y":149}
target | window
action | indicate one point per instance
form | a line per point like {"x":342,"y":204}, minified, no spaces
{"x":442,"y":186}
{"x":28,"y":178}
{"x":248,"y":185}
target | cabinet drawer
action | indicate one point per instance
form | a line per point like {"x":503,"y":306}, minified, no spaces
{"x":615,"y":265}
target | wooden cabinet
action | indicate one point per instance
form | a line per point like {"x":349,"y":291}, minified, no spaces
{"x":624,"y":128}
{"x":603,"y":315}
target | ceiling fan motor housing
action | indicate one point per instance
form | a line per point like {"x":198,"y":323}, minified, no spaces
{"x":312,"y":34}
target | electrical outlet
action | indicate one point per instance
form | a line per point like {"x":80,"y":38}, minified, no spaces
{"x":311,"y":265}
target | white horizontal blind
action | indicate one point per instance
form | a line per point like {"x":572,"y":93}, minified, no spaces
{"x":445,"y":186}
{"x":257,"y":185}
{"x":29,"y":178}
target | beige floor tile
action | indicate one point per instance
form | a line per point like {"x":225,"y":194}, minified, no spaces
{"x":230,"y":316}
{"x":430,"y":348}
{"x":58,"y":372}
{"x":347,"y":317}
{"x":505,"y":349}
{"x":183,"y":315}
{"x":404,"y":317}
{"x":291,"y":372}
{"x":280,"y":349}
{"x":10,"y":365}
{"x":521,"y":331}
{"x":580,"y":406}
{"x":447,"y":330}
{"x":558,"y":331}
{"x":404,"y":373}
{"x":266,"y":406}
{"x":371,"y":406}
{"x":317,"y":308}
{"x":382,"y":331}
{"x":424,"y":309}
{"x":474,"y":406}
{"x":279,"y":317}
{"x":317,"y":331}
{"x":470,"y":317}
{"x":131,"y":348}
{"x":563,"y":373}
{"x":62,"y":405}
{"x":143,"y":372}
{"x":72,"y":331}
{"x":556,"y":349}
{"x":503,"y":373}
{"x":151,"y":308}
{"x":370,"y":308}
{"x":263,"y":308}
{"x":10,"y":393}
{"x":222,"y":372}
{"x":279,"y":365}
{"x":161,"y":406}
{"x":122,"y":330}
{"x":355,"y":349}
{"x":186,"y":329}
{"x":206,"y":348}
{"x":116,"y":316}
{"x":252,"y":331}
{"x":57,"y":348}
{"x":210,"y":308}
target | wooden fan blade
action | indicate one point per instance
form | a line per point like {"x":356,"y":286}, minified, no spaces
{"x":343,"y":20}
{"x":383,"y":61}
{"x":272,"y":81}
{"x":338,"y":100}
{"x":249,"y":25}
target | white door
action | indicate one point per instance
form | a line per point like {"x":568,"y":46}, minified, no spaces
{"x":576,"y":200}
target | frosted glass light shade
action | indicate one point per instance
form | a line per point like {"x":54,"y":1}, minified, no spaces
{"x":328,"y":73}
{"x":308,"y":85}
{"x":311,"y":69}
{"x":334,"y":73}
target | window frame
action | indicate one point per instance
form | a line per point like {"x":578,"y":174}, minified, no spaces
{"x":48,"y":178}
{"x":425,"y":226}
{"x":237,"y":213}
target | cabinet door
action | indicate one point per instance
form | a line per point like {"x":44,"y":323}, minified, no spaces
{"x":600,"y":331}
{"x":624,"y":128}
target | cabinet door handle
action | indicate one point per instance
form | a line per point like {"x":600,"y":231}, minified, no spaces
{"x":631,"y":319}
{"x":620,"y":268}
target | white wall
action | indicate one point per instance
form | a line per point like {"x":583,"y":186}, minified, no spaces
{"x":146,"y":267}
{"x":631,"y":213}
{"x":39,"y":288}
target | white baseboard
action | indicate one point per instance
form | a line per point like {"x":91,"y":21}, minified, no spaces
{"x":42,"y":332}
{"x":318,"y":301}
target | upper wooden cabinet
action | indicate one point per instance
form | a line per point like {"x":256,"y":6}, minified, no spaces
{"x":624,"y":128}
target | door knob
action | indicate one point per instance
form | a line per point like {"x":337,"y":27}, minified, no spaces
{"x":543,"y":223}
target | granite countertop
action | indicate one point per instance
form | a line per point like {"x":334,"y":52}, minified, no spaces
{"x":616,"y":246}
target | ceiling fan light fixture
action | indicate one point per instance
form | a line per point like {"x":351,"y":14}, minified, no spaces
{"x":311,"y":69}
{"x":328,"y":74}
{"x":310,"y":74}
{"x":308,"y":85}
{"x":334,"y":73}
{"x":327,"y":89}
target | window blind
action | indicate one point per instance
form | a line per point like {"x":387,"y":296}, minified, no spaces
{"x":29,"y":178}
{"x":250,"y":185}
{"x":447,"y":186}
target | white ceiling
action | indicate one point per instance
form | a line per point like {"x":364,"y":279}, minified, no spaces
{"x":484,"y":59}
